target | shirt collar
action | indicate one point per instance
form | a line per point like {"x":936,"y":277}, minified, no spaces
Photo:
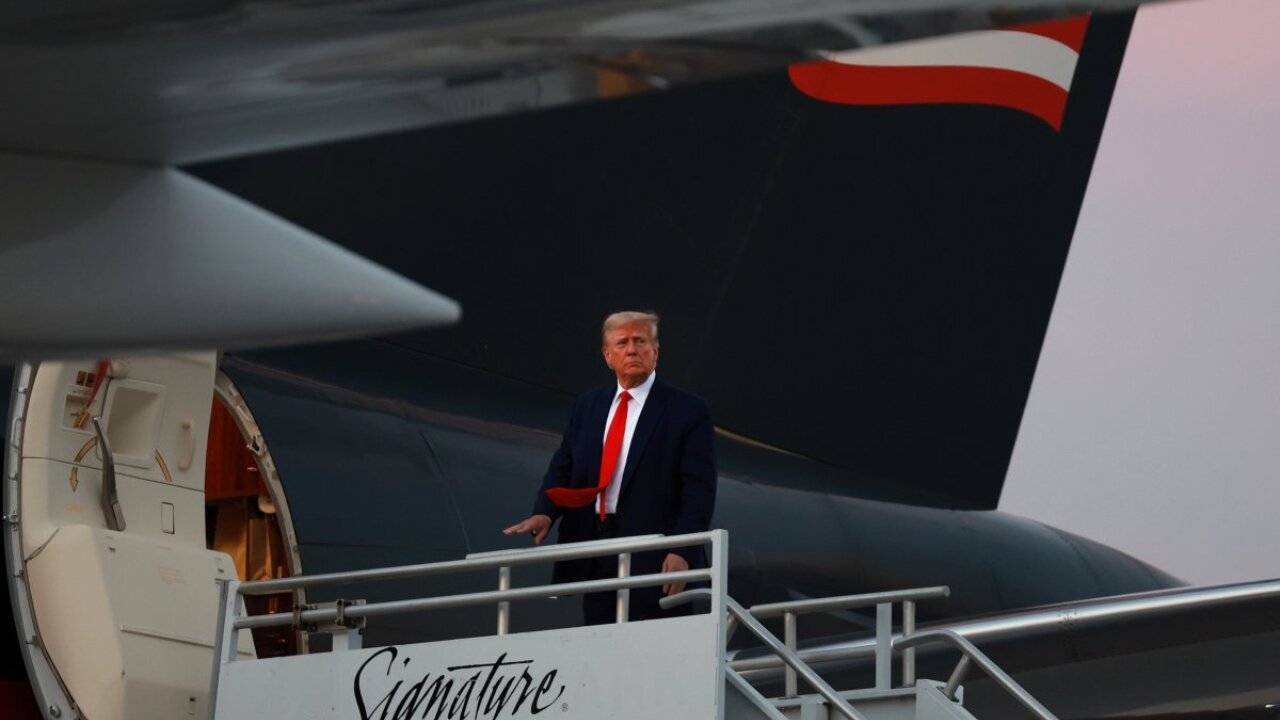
{"x":639,"y":392}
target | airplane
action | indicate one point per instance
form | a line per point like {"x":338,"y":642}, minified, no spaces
{"x":291,"y":459}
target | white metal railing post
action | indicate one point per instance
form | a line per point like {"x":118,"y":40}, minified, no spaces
{"x":229,"y":635}
{"x":833,"y":698}
{"x":957,"y":677}
{"x":837,"y":702}
{"x":624,"y":594}
{"x":884,"y":646}
{"x":719,"y":562}
{"x":881,"y":647}
{"x":720,"y":575}
{"x":908,"y":655}
{"x":504,"y":608}
{"x":230,"y":605}
{"x":789,"y":639}
{"x":346,"y":634}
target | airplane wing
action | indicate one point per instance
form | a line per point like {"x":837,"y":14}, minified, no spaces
{"x":105,"y":248}
{"x":180,"y":82}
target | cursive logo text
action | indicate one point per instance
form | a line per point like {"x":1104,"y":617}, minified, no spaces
{"x":461,"y":692}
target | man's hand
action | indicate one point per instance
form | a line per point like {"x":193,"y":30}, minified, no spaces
{"x":674,"y":563}
{"x":538,"y":525}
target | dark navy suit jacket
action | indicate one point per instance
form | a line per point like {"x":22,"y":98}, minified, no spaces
{"x":668,"y":483}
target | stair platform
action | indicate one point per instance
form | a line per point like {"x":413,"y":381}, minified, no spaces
{"x":668,"y":668}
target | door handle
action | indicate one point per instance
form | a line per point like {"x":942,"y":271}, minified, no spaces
{"x":188,"y":452}
{"x":111,"y":509}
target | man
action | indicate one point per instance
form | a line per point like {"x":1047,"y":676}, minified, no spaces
{"x":637,"y":458}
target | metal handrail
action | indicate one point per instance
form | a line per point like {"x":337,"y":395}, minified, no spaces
{"x":760,"y":702}
{"x":847,"y":602}
{"x":744,"y":618}
{"x":395,"y":607}
{"x":538,"y":550}
{"x":883,"y":601}
{"x":971,"y":654}
{"x":231,"y":608}
{"x":1084,"y":614}
{"x":532,"y":556}
{"x":623,"y":608}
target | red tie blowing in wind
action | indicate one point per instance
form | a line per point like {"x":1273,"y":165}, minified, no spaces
{"x":582,"y":497}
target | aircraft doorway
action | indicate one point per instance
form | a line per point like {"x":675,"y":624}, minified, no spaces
{"x":246,"y":515}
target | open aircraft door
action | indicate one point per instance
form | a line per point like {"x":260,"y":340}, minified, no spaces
{"x":115,"y":590}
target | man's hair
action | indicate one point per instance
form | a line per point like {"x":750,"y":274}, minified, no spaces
{"x":627,"y":317}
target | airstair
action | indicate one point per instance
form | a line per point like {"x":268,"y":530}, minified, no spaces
{"x":669,"y":669}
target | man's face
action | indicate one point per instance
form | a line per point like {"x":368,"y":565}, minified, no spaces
{"x":631,"y":352}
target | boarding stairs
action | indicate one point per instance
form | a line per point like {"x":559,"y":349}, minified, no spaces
{"x":669,"y":669}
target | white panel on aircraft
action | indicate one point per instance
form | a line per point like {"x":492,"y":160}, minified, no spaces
{"x":634,"y":671}
{"x":125,"y":618}
{"x":129,"y":622}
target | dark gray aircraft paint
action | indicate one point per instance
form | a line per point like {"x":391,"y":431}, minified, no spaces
{"x":865,"y":286}
{"x":861,"y":292}
{"x":389,"y":457}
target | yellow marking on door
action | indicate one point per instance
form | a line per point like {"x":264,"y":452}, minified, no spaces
{"x":164,"y":468}
{"x":84,"y":450}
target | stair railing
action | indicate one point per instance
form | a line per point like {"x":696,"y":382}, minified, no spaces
{"x":971,"y":655}
{"x":233,"y":618}
{"x":741,"y":616}
{"x":883,"y":602}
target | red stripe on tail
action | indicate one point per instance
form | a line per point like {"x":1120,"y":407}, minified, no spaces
{"x":914,"y":85}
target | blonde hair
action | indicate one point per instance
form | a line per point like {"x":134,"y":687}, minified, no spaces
{"x":628,"y":317}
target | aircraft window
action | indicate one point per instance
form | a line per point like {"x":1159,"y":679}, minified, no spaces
{"x":244,"y":521}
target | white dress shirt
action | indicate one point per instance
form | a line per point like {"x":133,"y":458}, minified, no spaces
{"x":639,"y":394}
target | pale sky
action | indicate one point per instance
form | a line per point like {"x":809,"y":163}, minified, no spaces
{"x":1153,"y":423}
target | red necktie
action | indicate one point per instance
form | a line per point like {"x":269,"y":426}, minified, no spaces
{"x":582,"y":497}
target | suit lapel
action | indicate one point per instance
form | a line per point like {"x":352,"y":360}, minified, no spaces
{"x":654,"y":406}
{"x":596,"y":417}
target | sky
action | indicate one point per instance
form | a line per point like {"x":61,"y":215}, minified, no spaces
{"x":1153,"y":423}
